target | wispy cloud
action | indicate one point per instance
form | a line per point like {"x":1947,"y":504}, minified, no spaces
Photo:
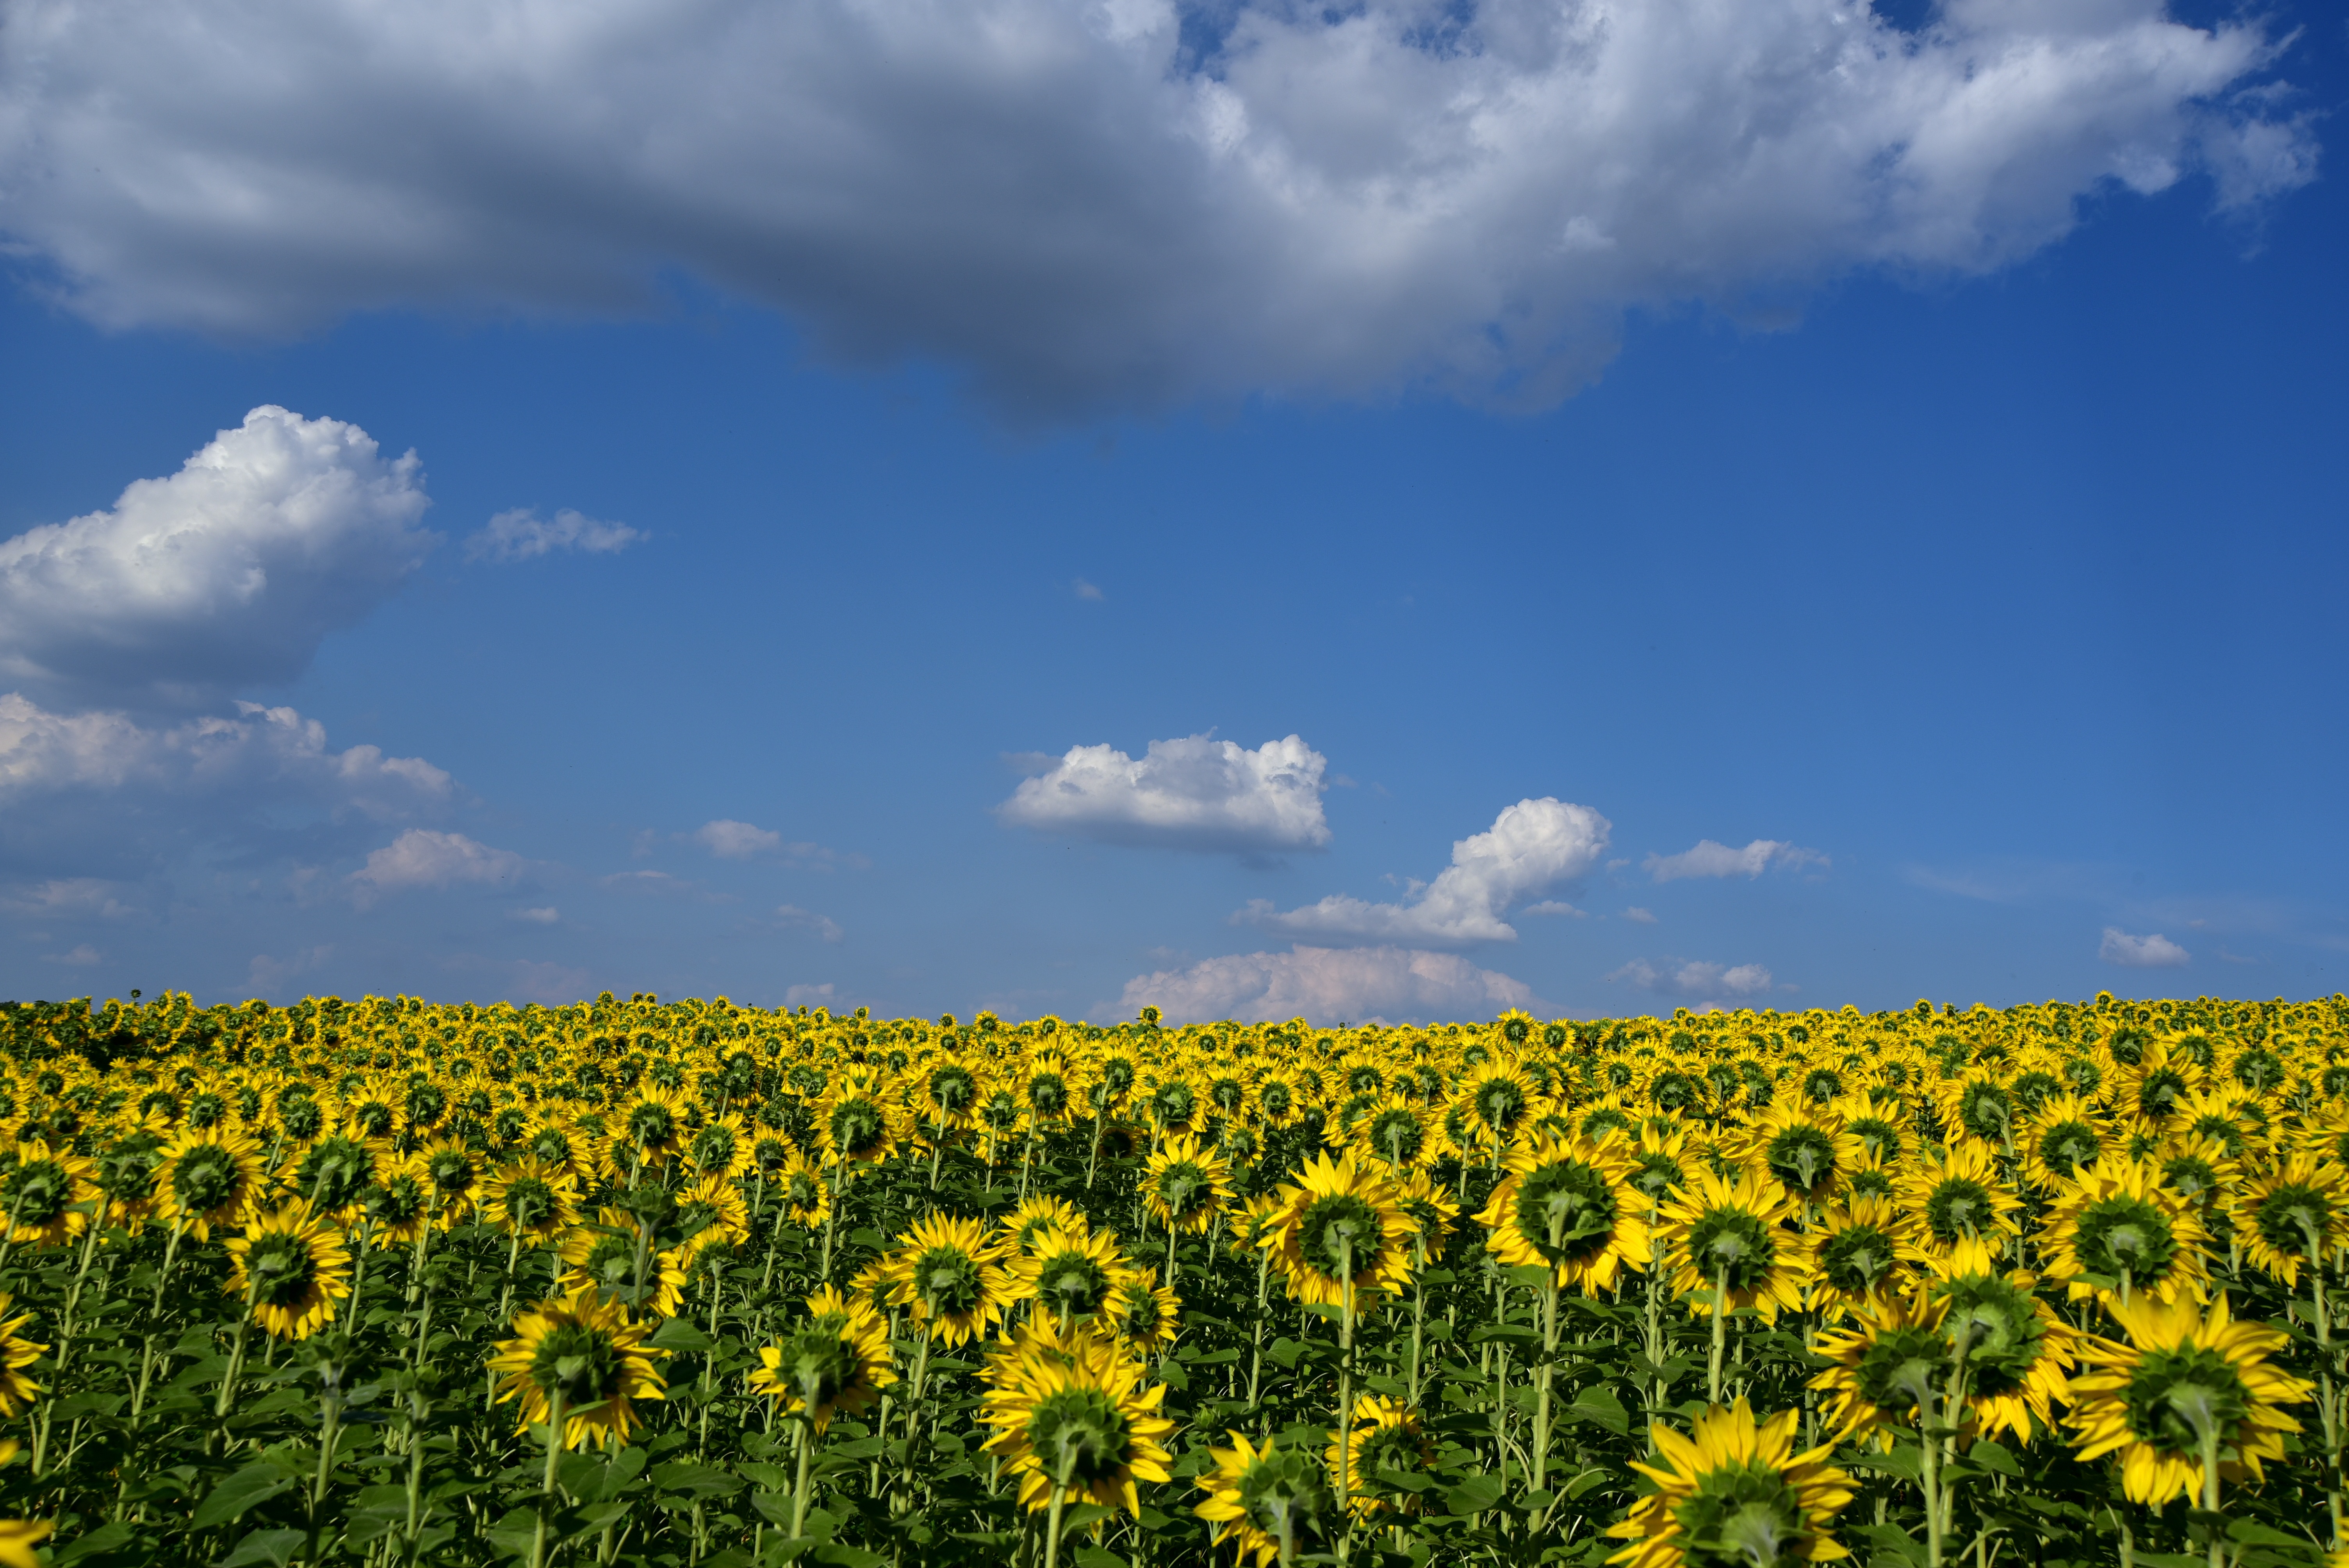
{"x":1708,"y":859}
{"x":1696,"y":979}
{"x":523,"y":535}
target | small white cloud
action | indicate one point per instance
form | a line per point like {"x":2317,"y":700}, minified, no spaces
{"x":546,"y":916}
{"x":1196,"y":793}
{"x":1085,"y":590}
{"x":426,"y":858}
{"x":229,"y":572}
{"x":84,"y":896}
{"x":1329,"y":985}
{"x":1555,"y":906}
{"x":1708,"y":858}
{"x":80,"y":957}
{"x":550,"y":983}
{"x":733,"y":841}
{"x":1530,"y":848}
{"x":1691,"y":978}
{"x":822,"y":996}
{"x":822,"y":925}
{"x":523,"y":535}
{"x":269,"y":974}
{"x":2155,"y":952}
{"x":1639,"y":916}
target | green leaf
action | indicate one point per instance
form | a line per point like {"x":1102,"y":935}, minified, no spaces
{"x":254,"y":1484}
{"x":102,"y":1540}
{"x":1991,"y":1456}
{"x":677,"y":1334}
{"x":1598,"y":1404}
{"x":695,"y":1480}
{"x":274,"y":1547}
{"x":771,"y":1477}
{"x":1474,"y":1495}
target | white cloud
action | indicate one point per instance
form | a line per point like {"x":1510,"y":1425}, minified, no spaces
{"x":1708,"y":858}
{"x":545,"y":915}
{"x":80,"y":957}
{"x":1555,"y":906}
{"x":1682,"y":977}
{"x":227,"y":573}
{"x":45,"y":753}
{"x":733,"y":841}
{"x":270,"y":974}
{"x":426,"y":858}
{"x":1531,"y":847}
{"x":822,"y":925}
{"x":2155,"y":952}
{"x":1197,"y":793}
{"x":69,"y":897}
{"x":1639,"y":916}
{"x":1089,"y":204}
{"x":1085,"y":590}
{"x":523,"y":535}
{"x":1329,"y":985}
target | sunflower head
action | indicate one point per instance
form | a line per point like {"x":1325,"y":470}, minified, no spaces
{"x":1073,"y":1419}
{"x":949,"y":1273}
{"x":1734,"y":1491}
{"x":1270,"y":1501}
{"x":1341,"y":1234}
{"x":1566,"y":1206}
{"x":588,"y":1355}
{"x":837,"y":1361}
{"x":293,"y":1266}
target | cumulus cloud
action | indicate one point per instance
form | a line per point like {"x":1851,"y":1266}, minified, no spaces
{"x":1639,"y":916}
{"x":80,"y":957}
{"x":1329,"y":985}
{"x":1708,"y":858}
{"x":546,"y":915}
{"x":1697,"y":981}
{"x":2155,"y":952}
{"x":426,"y":858}
{"x":1196,"y":793}
{"x":227,"y":573}
{"x":1531,"y":847}
{"x":523,"y":535}
{"x":1101,"y":202}
{"x":733,"y":841}
{"x":824,"y":926}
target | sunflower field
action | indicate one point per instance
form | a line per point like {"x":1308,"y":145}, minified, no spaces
{"x":631,"y":1281}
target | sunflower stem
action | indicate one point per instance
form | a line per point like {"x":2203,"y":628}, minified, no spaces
{"x":799,"y":1486}
{"x":1720,"y":1330}
{"x":546,"y":1493}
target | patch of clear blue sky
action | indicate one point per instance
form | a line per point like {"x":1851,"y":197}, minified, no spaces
{"x":2032,"y":583}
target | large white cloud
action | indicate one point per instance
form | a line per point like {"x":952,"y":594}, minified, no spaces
{"x":1330,"y":985}
{"x":1708,"y":858}
{"x":1531,"y":847}
{"x":1090,"y":202}
{"x":1196,"y":793}
{"x":2154,"y":952}
{"x":425,"y":858}
{"x":229,"y":572}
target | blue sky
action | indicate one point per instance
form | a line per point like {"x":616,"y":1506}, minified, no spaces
{"x":1964,"y":571}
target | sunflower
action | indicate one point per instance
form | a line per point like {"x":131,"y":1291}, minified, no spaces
{"x":603,"y":1257}
{"x":1396,"y":1132}
{"x":556,"y":1143}
{"x":1660,"y":1162}
{"x":1387,"y":1437}
{"x":45,"y":1196}
{"x":2190,"y":1386}
{"x":2015,"y":1349}
{"x":1073,"y":1422}
{"x":2064,"y":1136}
{"x":723,"y":1147}
{"x":1720,"y":1236}
{"x":1890,"y":1362}
{"x":2197,"y":1170}
{"x":531,"y":1199}
{"x":1340,"y":1234}
{"x":19,"y":1536}
{"x":713,"y":1215}
{"x":1807,"y":1150}
{"x":2118,"y":1233}
{"x":1271,"y":1502}
{"x":648,"y":1128}
{"x":1071,"y":1276}
{"x":2295,"y":1211}
{"x":399,"y":1209}
{"x":1498,"y":1097}
{"x":126,"y":1177}
{"x":1853,"y":1257}
{"x":1187,"y":1183}
{"x":856,"y":1124}
{"x":836,"y":1361}
{"x":2151,"y":1091}
{"x":454,"y":1175}
{"x":1735,"y":1491}
{"x":1959,"y":1198}
{"x":1144,"y":1315}
{"x":1429,"y":1210}
{"x":17,"y":1353}
{"x":583,"y":1354}
{"x":1041,"y":1213}
{"x":334,"y":1171}
{"x":1565,"y":1206}
{"x":950,"y":1275}
{"x":293,"y":1266}
{"x":807,"y":1197}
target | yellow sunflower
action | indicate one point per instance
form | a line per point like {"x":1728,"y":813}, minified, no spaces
{"x":2295,"y":1211}
{"x":603,"y":1257}
{"x":1341,"y":1234}
{"x":1144,"y":1315}
{"x":2189,"y":1400}
{"x":1186,"y":1184}
{"x":1960,"y":1197}
{"x":2065,"y":1136}
{"x":1071,"y":1277}
{"x":580,"y":1358}
{"x":1388,"y":1437}
{"x":1807,"y":1150}
{"x":2016,"y":1352}
{"x":807,"y":1197}
{"x":1566,"y":1206}
{"x":294,"y":1266}
{"x":1730,"y":1240}
{"x":533,"y":1199}
{"x":1852,"y":1258}
{"x":1076,"y":1426}
{"x":949,"y":1273}
{"x":45,"y":1196}
{"x":2117,"y":1233}
{"x":1271,"y":1502}
{"x":836,"y":1361}
{"x":17,"y":1353}
{"x":1733,"y":1490}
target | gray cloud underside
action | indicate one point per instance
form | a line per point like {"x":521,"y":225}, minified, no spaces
{"x":1068,"y":200}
